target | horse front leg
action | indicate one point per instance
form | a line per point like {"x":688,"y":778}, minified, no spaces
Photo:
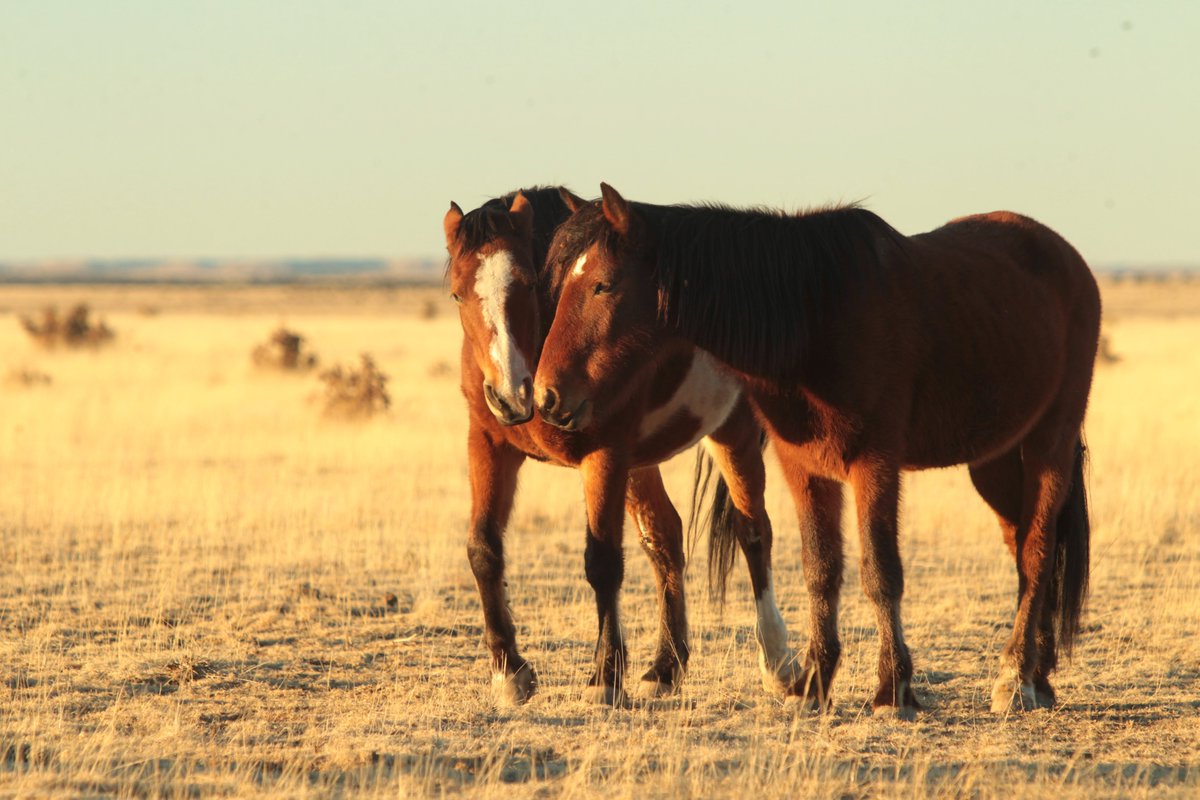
{"x":877,"y":499}
{"x":494,"y":469}
{"x":605,"y":474}
{"x":660,"y":532}
{"x":818,"y":504}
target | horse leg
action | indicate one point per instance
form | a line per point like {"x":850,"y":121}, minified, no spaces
{"x":493,"y":486}
{"x":605,"y":474}
{"x":736,"y":447}
{"x":1000,"y":483}
{"x":1030,"y":654}
{"x":661,"y":535}
{"x":819,"y":509}
{"x":877,"y":497}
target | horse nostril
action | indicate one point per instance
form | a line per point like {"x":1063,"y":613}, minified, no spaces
{"x":550,"y":399}
{"x":496,"y":399}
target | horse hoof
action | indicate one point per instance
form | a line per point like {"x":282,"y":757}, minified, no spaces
{"x":800,"y":705}
{"x":901,"y":713}
{"x":1010,"y":693}
{"x":604,"y":696}
{"x":516,"y":689}
{"x":1043,"y":692}
{"x":779,"y":678}
{"x":651,"y":690}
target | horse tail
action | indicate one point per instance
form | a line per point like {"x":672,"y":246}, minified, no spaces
{"x":722,"y":519}
{"x":1073,"y":538}
{"x":702,"y":486}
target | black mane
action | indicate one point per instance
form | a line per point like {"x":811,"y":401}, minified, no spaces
{"x":482,"y":225}
{"x":748,"y":285}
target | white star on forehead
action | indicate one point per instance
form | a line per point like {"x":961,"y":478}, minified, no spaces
{"x":579,"y":265}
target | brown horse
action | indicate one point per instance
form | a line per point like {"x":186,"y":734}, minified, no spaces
{"x":506,"y":301}
{"x":865,"y":353}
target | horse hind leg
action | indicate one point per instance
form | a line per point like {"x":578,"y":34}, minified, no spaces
{"x":1031,"y":653}
{"x":740,"y":521}
{"x":660,"y":532}
{"x":1063,"y":608}
{"x":1000,"y":482}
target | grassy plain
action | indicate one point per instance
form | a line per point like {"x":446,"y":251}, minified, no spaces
{"x":207,"y":590}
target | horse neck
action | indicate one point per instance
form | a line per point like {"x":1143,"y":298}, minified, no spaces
{"x":758,"y":289}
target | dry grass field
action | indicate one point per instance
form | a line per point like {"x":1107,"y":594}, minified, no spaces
{"x":207,"y":589}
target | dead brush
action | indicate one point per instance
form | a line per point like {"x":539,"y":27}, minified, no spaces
{"x":27,"y":378}
{"x":1104,"y":351}
{"x":355,"y":394}
{"x":284,"y":352}
{"x":76,"y":330}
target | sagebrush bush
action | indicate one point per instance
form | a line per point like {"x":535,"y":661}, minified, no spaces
{"x":284,"y":351}
{"x":75,"y":330}
{"x":355,"y":393}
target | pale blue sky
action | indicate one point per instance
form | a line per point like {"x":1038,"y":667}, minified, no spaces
{"x":300,"y":128}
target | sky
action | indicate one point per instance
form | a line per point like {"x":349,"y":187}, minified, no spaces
{"x":294,"y":128}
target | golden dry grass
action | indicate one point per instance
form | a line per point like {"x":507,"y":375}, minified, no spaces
{"x":207,"y":590}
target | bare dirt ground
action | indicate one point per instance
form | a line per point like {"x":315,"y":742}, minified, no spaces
{"x":208,"y":590}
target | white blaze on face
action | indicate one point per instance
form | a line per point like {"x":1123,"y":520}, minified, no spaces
{"x":493,"y":282}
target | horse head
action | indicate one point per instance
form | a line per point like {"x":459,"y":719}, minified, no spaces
{"x":604,"y":331}
{"x":494,"y":282}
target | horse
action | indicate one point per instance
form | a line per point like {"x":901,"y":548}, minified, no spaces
{"x":506,"y":301}
{"x":865,"y":353}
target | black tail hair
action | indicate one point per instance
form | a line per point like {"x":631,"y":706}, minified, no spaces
{"x":1069,"y":585}
{"x":721,"y":517}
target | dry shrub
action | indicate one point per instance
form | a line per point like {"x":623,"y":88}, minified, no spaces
{"x":75,"y":330}
{"x":355,"y":393}
{"x":1104,"y":352}
{"x":441,"y":369}
{"x":27,"y":378}
{"x":284,"y":351}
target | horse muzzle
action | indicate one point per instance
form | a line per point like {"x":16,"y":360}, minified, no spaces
{"x":513,"y":410}
{"x":554,"y":411}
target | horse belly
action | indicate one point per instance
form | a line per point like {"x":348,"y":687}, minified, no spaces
{"x":981,"y":394}
{"x":699,"y":405}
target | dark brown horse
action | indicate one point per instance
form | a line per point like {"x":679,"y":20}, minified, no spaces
{"x":506,"y":301}
{"x":865,"y":353}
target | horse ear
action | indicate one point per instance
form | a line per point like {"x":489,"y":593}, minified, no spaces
{"x":450,"y":224}
{"x":521,"y":214}
{"x":573,"y":201}
{"x":616,"y":210}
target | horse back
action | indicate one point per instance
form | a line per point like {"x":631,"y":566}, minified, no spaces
{"x":1008,"y":316}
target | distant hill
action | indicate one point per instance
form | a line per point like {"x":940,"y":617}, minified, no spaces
{"x":207,"y":270}
{"x":317,"y":270}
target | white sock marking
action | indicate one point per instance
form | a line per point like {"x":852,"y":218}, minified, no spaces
{"x":772,"y":630}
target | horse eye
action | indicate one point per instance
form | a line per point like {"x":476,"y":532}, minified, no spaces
{"x":603,"y":288}
{"x":454,"y":296}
